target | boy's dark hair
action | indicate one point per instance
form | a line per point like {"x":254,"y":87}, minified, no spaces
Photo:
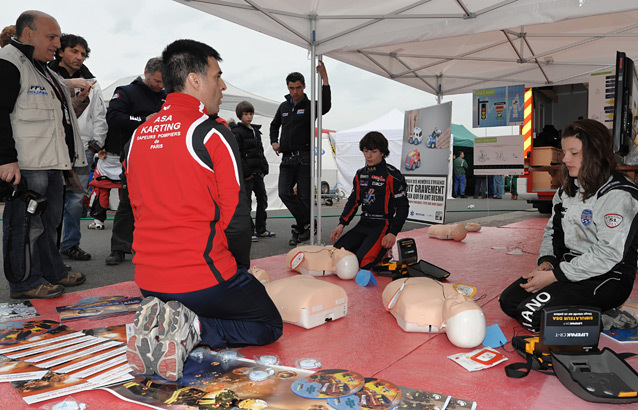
{"x":375,"y":140}
{"x":598,"y":161}
{"x":183,"y":57}
{"x":244,"y":107}
{"x":71,"y":40}
{"x":294,"y":77}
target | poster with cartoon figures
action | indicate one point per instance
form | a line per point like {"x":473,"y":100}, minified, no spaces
{"x":424,"y":161}
{"x":501,"y":155}
{"x":500,"y":106}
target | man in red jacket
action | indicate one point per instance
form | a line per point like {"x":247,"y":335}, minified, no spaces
{"x":184,"y":186}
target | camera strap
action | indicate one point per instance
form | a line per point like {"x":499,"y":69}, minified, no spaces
{"x":25,"y":251}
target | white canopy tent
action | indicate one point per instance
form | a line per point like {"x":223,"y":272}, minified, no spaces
{"x":350,"y":158}
{"x":449,"y":46}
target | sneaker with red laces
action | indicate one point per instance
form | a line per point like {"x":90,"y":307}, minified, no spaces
{"x":177,"y":336}
{"x":139,"y":348}
{"x":44,"y":291}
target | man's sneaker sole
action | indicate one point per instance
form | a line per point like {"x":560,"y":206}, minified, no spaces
{"x":177,"y":337}
{"x":139,"y":349}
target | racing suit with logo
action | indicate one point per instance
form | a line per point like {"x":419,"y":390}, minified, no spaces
{"x":381,"y":191}
{"x":593,"y":248}
{"x":184,"y":184}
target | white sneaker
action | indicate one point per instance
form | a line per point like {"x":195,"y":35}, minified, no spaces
{"x":140,"y":346}
{"x":177,"y":336}
{"x":97,"y":224}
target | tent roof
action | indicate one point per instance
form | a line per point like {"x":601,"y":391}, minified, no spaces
{"x":450,"y":46}
{"x":462,"y":136}
{"x":231,"y":97}
{"x":392,"y":120}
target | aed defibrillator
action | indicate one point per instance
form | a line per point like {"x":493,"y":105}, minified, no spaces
{"x":409,"y":265}
{"x":567,"y":346}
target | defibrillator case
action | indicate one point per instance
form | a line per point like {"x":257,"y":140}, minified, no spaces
{"x":308,"y":302}
{"x":599,"y":377}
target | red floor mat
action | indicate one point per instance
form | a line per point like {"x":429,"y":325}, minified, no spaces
{"x":369,"y":341}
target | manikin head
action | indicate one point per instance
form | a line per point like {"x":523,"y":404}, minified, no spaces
{"x":463,"y":321}
{"x":346,"y":264}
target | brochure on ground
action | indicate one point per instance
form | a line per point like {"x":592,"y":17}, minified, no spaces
{"x":206,"y":374}
{"x":623,"y":335}
{"x":17,"y":310}
{"x":98,"y":308}
{"x":79,"y":361}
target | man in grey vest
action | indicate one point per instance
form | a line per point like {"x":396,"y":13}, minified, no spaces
{"x":39,"y":140}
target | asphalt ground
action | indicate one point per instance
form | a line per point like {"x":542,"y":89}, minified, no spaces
{"x":487,"y":212}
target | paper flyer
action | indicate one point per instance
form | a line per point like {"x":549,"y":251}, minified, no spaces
{"x":15,"y":370}
{"x":17,"y":310}
{"x":94,"y":308}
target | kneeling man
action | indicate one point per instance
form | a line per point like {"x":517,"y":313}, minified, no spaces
{"x":184,"y":186}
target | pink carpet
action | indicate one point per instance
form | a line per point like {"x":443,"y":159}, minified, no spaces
{"x":369,"y":341}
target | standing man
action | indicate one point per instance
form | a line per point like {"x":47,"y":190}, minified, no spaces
{"x":194,"y":289}
{"x":69,"y":63}
{"x":459,"y":169}
{"x":39,"y":139}
{"x":130,"y":106}
{"x":293,"y":116}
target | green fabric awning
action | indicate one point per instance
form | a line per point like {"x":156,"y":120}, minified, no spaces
{"x":462,"y":136}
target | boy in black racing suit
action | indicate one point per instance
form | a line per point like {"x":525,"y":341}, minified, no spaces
{"x":380,"y":189}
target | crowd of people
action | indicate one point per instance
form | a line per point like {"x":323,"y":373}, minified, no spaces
{"x":163,"y":130}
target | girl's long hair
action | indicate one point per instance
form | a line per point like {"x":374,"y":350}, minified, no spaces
{"x":598,"y":157}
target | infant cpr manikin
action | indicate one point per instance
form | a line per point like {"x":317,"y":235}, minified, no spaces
{"x":457,"y":232}
{"x":322,"y":261}
{"x":425,"y":305}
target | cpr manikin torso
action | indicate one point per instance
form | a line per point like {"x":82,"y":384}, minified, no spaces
{"x":425,"y":305}
{"x":322,"y":261}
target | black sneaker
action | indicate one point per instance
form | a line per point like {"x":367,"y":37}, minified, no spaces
{"x":76,"y":253}
{"x":115,"y":258}
{"x":294,"y":240}
{"x":304,"y":236}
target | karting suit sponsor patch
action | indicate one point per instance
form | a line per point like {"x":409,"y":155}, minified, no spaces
{"x":613,"y":220}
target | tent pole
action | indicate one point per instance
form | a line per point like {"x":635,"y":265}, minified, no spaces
{"x":313,"y":115}
{"x":319,"y":151}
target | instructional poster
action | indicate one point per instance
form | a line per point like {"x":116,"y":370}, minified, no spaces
{"x":499,"y":106}
{"x":498,"y":155}
{"x":425,"y":155}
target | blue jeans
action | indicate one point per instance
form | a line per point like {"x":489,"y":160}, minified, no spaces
{"x":71,"y":233}
{"x":499,"y":188}
{"x":45,"y":261}
{"x":295,"y":170}
{"x":234,"y":313}
{"x":459,"y":185}
{"x":480,"y":182}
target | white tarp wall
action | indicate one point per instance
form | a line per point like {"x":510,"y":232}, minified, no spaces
{"x":350,"y":158}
